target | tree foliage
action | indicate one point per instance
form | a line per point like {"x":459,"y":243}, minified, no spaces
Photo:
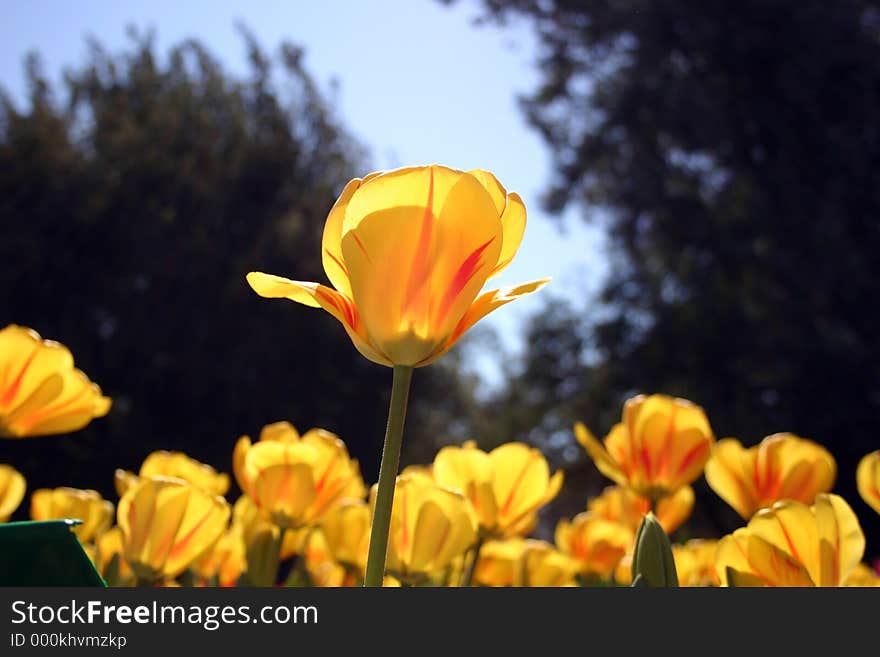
{"x":134,"y":198}
{"x":733,"y":152}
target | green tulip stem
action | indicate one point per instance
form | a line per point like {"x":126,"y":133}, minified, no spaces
{"x":468,"y":575}
{"x":387,"y":476}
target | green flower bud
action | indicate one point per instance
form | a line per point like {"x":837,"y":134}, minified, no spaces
{"x":652,"y":563}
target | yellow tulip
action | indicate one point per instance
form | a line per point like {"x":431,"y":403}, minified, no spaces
{"x":622,"y":505}
{"x":108,"y":545}
{"x":596,"y":544}
{"x":781,"y":467}
{"x":323,"y":570}
{"x":177,"y":465}
{"x":12,"y":488}
{"x":660,"y":446}
{"x":407,"y":252}
{"x":506,"y":486}
{"x":41,"y":392}
{"x":167,"y":524}
{"x":430,"y":527}
{"x":695,"y":563}
{"x":523,"y":562}
{"x":296,"y":479}
{"x":863,"y":575}
{"x":792,"y":544}
{"x":225,"y":561}
{"x":346,"y":531}
{"x":95,"y":512}
{"x":868,"y":479}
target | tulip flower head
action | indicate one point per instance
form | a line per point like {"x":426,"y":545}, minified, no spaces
{"x":110,"y":547}
{"x":177,"y":465}
{"x":506,"y":486}
{"x":346,"y":531}
{"x":792,"y":544}
{"x":296,"y":479}
{"x":695,"y":562}
{"x":41,"y":392}
{"x":596,"y":544}
{"x":622,"y":505}
{"x":868,"y":479}
{"x":523,"y":562}
{"x":95,"y":512}
{"x":660,"y":446}
{"x":167,"y":524}
{"x":430,"y":527}
{"x":407,"y":252}
{"x":781,"y":467}
{"x":12,"y":489}
{"x":224,"y":563}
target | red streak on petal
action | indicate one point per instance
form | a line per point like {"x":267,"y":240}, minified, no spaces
{"x":516,"y":484}
{"x":182,"y":544}
{"x":419,"y":269}
{"x":362,"y":247}
{"x":691,"y":456}
{"x":16,"y":384}
{"x":338,"y":262}
{"x":466,"y":271}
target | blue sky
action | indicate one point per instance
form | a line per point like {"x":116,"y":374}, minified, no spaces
{"x":418,"y":83}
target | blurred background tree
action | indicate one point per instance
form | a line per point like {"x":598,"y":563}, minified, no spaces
{"x":732,"y":151}
{"x":133,"y":201}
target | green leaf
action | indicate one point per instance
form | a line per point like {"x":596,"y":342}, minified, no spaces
{"x":44,"y":553}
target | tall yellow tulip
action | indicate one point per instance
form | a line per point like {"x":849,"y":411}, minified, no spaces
{"x":95,"y":512}
{"x":296,"y":479}
{"x":660,"y":446}
{"x":506,"y":486}
{"x":12,"y":489}
{"x":407,"y":252}
{"x":430,"y":527}
{"x":167,"y":524}
{"x":41,"y":392}
{"x":868,"y":479}
{"x":781,"y":467}
{"x":792,"y":544}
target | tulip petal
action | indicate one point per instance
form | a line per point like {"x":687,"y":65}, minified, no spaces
{"x":841,"y":540}
{"x":601,"y":458}
{"x":724,"y":474}
{"x":12,"y":490}
{"x":513,"y":223}
{"x":331,"y":242}
{"x":315,"y":295}
{"x":774,"y":565}
{"x":26,"y":361}
{"x":791,"y":527}
{"x":486,"y":303}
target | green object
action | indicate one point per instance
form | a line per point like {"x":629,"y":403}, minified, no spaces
{"x":652,"y":563}
{"x":44,"y":553}
{"x":388,"y":476}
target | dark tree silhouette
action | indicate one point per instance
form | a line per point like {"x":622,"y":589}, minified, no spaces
{"x":733,"y":151}
{"x":133,"y":202}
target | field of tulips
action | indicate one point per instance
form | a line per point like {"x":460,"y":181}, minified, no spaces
{"x":306,"y":517}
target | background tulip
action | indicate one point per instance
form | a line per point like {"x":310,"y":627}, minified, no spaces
{"x":781,"y":467}
{"x":12,"y":489}
{"x":407,"y":252}
{"x":660,"y":446}
{"x":95,"y":512}
{"x":40,"y":390}
{"x":792,"y":544}
{"x":506,"y":486}
{"x":695,"y":563}
{"x":346,"y":531}
{"x":524,"y":562}
{"x":430,"y":526}
{"x":167,"y":524}
{"x":225,"y":562}
{"x":296,"y":479}
{"x":868,"y":479}
{"x":596,"y":544}
{"x":622,"y":505}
